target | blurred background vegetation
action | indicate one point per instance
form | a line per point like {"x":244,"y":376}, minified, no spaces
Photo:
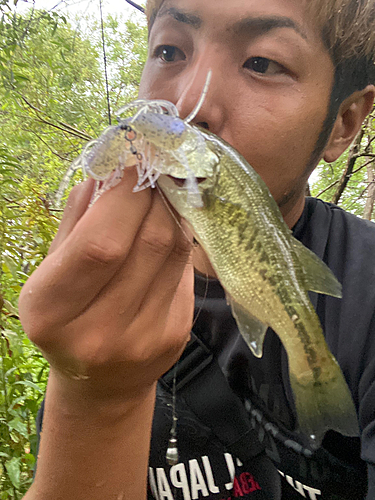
{"x":52,"y":100}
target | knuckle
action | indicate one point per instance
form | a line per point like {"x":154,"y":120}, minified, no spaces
{"x":159,"y":241}
{"x":74,"y":195}
{"x":33,"y":324}
{"x":176,"y":344}
{"x":140,"y":354}
{"x":34,"y":334}
{"x":39,"y":335}
{"x":183,"y":248}
{"x":103,"y":252}
{"x":94,"y":356}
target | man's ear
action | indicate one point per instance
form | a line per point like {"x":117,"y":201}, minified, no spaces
{"x":349,"y":119}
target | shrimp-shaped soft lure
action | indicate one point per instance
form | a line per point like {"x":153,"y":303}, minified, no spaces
{"x":157,"y":141}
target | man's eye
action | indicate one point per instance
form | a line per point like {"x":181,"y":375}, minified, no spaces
{"x":168,"y":53}
{"x":264,"y":66}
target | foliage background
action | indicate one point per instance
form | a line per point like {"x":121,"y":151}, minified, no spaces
{"x":52,"y":100}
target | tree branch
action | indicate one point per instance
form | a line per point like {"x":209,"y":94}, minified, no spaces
{"x":368,"y":155}
{"x":369,"y":207}
{"x":362,"y":166}
{"x":357,"y":199}
{"x":65,"y":127}
{"x":47,"y":145}
{"x":327,"y":188}
{"x":133,"y":4}
{"x":352,"y":158}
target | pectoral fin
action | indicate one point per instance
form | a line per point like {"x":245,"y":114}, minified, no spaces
{"x":251,"y":329}
{"x":317,"y":276}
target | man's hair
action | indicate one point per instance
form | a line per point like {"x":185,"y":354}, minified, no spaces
{"x":348,"y":32}
{"x":347,"y":26}
{"x":152,"y":8}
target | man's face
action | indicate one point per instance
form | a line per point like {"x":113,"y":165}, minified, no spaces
{"x":270,"y":86}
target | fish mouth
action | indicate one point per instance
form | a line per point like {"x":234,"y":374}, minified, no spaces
{"x":182,"y":182}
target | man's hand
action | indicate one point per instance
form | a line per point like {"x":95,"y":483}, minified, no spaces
{"x":111,"y":308}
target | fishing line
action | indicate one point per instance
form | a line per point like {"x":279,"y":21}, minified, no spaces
{"x":173,"y":214}
{"x":206,"y":275}
{"x":172,"y":454}
{"x":105,"y":63}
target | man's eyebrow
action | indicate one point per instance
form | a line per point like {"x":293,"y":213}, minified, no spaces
{"x":262,"y":25}
{"x":180,"y":16}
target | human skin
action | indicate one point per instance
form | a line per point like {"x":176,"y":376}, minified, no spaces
{"x":111,"y":306}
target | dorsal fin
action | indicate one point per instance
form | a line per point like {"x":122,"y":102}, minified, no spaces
{"x":316,"y":275}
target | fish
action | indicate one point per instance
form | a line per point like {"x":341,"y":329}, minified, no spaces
{"x":266,"y":273}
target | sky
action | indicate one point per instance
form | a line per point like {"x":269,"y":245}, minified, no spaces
{"x":74,"y":7}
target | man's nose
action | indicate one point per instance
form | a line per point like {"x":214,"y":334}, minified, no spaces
{"x":211,"y":112}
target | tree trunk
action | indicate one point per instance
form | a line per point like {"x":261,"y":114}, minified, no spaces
{"x":352,"y":158}
{"x":369,"y":208}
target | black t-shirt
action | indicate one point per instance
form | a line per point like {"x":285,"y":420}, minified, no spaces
{"x":343,"y":468}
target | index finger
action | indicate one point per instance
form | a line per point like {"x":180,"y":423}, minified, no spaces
{"x":76,"y":206}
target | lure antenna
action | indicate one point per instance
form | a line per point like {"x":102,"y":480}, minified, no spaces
{"x":199,"y":104}
{"x":133,"y":4}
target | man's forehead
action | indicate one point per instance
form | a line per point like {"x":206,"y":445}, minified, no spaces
{"x":153,"y":6}
{"x":180,"y":16}
{"x":188,"y":13}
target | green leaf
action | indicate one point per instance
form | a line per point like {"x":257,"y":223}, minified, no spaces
{"x":40,"y":374}
{"x":11,"y":370}
{"x":29,"y":384}
{"x":9,"y":334}
{"x":21,"y":64}
{"x":14,"y":471}
{"x":11,"y":265}
{"x":9,"y":306}
{"x":9,"y":181}
{"x":17,"y":425}
{"x":33,"y":439}
{"x":29,"y":459}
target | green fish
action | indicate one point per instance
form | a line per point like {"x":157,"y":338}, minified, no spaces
{"x":266,"y":274}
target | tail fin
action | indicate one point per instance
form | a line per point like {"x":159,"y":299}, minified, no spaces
{"x":325,"y":405}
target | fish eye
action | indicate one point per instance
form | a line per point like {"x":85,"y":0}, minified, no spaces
{"x":169,"y":53}
{"x":264,"y":66}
